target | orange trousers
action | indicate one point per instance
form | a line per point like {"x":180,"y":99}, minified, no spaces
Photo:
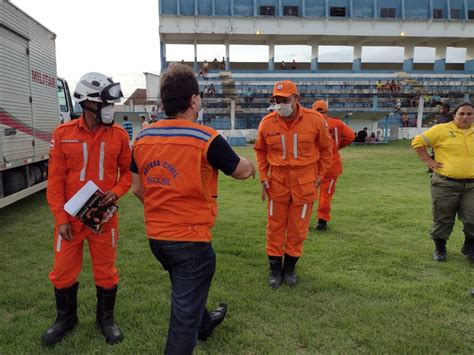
{"x":287,"y":227}
{"x":68,"y":258}
{"x":326,"y":193}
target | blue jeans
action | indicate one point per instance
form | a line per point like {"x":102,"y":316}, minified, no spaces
{"x":191,"y":266}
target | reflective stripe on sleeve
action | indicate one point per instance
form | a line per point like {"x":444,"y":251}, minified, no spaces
{"x":86,"y":156}
{"x":58,"y":243}
{"x":101,"y":161}
{"x":270,"y":208}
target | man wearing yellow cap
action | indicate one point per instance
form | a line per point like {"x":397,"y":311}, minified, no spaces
{"x":342,"y":135}
{"x":294,"y":151}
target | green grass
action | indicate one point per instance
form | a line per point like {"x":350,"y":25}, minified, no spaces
{"x":367,"y":285}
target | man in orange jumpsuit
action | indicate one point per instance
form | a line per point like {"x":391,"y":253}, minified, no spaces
{"x":294,"y":151}
{"x":174,"y":168}
{"x":342,"y":135}
{"x":89,"y":148}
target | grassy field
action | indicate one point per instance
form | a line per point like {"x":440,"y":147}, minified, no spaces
{"x":367,"y":285}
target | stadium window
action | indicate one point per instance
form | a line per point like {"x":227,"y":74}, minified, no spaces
{"x":290,"y":10}
{"x":437,"y":13}
{"x":470,"y":14}
{"x":337,"y":11}
{"x":387,"y":12}
{"x":267,"y":10}
{"x":456,"y":14}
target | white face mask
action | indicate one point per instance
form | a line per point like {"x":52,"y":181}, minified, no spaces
{"x":107,"y":114}
{"x":284,"y":110}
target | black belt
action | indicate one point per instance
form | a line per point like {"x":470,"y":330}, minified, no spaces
{"x":462,"y":181}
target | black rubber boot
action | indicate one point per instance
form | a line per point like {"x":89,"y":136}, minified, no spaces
{"x":289,"y":273}
{"x":66,"y":319}
{"x":275,"y":278}
{"x":322,"y":225}
{"x":211,"y":320}
{"x":105,"y":315}
{"x":468,"y":248}
{"x":440,"y":250}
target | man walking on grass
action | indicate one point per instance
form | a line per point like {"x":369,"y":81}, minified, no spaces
{"x":174,"y":171}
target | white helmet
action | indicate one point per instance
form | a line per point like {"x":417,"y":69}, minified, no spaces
{"x":99,"y":88}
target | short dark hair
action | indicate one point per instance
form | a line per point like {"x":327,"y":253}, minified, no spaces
{"x":125,"y":118}
{"x":178,"y":84}
{"x":446,"y":106}
{"x":463,"y":105}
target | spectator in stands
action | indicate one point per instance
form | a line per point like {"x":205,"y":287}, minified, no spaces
{"x":297,"y":166}
{"x":143,"y":121}
{"x":398,"y":86}
{"x":393,"y":86}
{"x":405,"y":120}
{"x":211,"y":90}
{"x":205,"y":92}
{"x":452,"y":183}
{"x":445,"y":116}
{"x":398,"y":104}
{"x":153,"y":119}
{"x":379,"y":86}
{"x":128,"y":126}
{"x":361,"y":136}
{"x":215,"y":63}
{"x":283,"y":65}
{"x":223,"y":66}
{"x":293,"y":65}
{"x":436,"y":100}
{"x":372,"y":139}
{"x":248,"y":95}
{"x":342,"y":136}
{"x":205,"y":68}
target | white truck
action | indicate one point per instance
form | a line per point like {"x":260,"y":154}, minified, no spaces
{"x":33,"y":101}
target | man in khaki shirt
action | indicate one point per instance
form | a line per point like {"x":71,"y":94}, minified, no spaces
{"x":452,"y":183}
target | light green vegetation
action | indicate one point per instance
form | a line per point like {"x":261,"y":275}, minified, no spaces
{"x":367,"y":285}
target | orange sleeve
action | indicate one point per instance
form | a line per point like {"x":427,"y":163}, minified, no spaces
{"x":347,"y":136}
{"x":55,"y":192}
{"x":125,"y":157}
{"x":324,"y":143}
{"x":260,"y":148}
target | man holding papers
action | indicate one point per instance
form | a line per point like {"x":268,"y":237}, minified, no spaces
{"x":88,"y":150}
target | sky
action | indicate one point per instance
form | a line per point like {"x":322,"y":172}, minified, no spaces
{"x":120,"y":38}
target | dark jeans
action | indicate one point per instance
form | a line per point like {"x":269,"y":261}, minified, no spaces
{"x":191,"y":266}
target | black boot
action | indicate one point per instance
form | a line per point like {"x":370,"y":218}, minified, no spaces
{"x":289,"y":273}
{"x":66,"y":320}
{"x":468,"y":248}
{"x":322,"y":225}
{"x":275,"y":278}
{"x":211,"y":320}
{"x":105,"y":315}
{"x":440,"y":251}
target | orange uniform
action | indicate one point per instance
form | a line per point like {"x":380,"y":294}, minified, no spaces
{"x":342,"y":135}
{"x":176,"y":173}
{"x":78,"y":155}
{"x":291,"y":157}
